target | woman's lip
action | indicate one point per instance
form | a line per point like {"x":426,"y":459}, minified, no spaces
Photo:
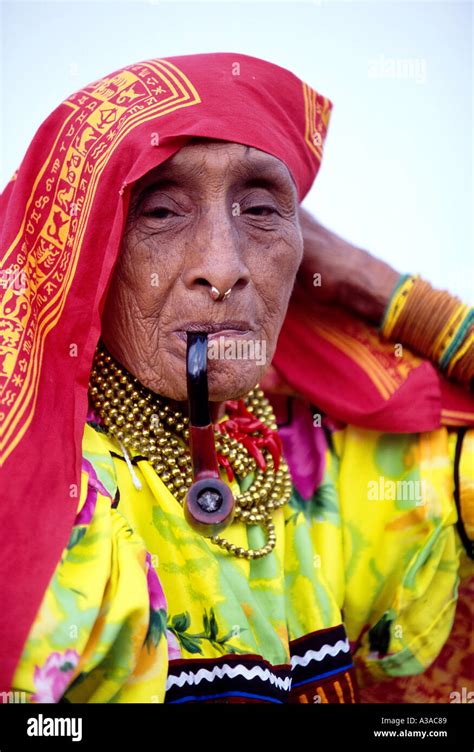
{"x":215,"y":335}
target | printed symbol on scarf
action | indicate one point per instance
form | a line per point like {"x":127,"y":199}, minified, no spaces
{"x":58,"y":220}
{"x":107,"y":117}
{"x":65,"y":195}
{"x":86,"y":139}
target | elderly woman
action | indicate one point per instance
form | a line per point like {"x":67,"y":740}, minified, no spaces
{"x":159,"y":202}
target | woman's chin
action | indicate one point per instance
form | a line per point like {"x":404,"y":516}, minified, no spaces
{"x":232,"y":379}
{"x":220,"y":390}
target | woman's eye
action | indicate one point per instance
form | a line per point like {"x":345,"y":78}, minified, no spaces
{"x":161,"y":212}
{"x":261,"y":210}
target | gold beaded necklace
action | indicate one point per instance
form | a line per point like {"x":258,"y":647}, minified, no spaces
{"x":143,"y":422}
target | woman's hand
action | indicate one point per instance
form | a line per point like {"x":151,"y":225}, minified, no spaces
{"x":337,"y":272}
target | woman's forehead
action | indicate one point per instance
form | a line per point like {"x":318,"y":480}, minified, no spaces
{"x":204,"y":156}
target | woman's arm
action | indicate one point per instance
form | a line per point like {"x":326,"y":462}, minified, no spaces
{"x":349,"y":276}
{"x":406,"y":309}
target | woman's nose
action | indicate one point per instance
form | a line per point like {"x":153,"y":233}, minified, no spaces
{"x":216,"y":261}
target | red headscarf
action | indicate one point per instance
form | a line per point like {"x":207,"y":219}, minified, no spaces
{"x":61,"y":221}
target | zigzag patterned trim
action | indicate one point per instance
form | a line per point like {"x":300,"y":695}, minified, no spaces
{"x":319,"y":655}
{"x":190,"y":678}
{"x":319,"y":659}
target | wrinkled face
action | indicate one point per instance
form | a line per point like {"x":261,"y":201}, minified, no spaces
{"x":217,"y":214}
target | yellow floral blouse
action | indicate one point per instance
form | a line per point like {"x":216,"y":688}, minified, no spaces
{"x":362,"y":583}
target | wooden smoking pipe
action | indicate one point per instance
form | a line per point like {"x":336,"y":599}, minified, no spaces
{"x":209,"y":505}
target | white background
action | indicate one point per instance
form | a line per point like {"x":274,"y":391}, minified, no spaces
{"x":397,"y":173}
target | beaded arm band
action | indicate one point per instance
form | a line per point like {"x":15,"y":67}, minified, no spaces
{"x":434,"y":323}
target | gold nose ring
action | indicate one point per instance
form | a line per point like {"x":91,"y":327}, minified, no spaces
{"x":217,"y":295}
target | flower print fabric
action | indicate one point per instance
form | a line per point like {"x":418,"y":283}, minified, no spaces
{"x":143,"y":609}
